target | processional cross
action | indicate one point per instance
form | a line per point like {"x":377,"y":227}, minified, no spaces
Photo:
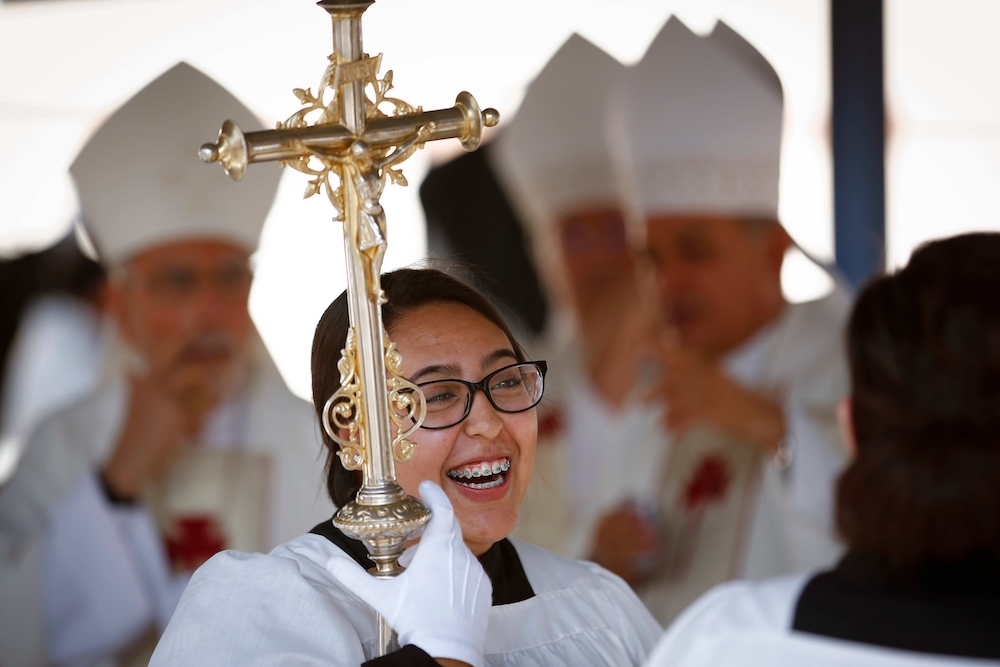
{"x":361,"y":140}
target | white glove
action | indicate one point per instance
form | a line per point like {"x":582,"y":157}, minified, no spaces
{"x":441,"y":603}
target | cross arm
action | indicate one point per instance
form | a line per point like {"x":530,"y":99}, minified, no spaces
{"x":235,"y":150}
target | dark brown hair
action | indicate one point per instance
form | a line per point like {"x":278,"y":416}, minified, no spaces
{"x":406,"y":290}
{"x":924,"y":351}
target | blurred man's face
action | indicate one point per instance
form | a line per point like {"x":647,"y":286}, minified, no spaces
{"x":183,"y":308}
{"x":596,"y":254}
{"x":719,"y":278}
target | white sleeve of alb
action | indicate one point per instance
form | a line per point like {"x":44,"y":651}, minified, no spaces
{"x":104,"y":576}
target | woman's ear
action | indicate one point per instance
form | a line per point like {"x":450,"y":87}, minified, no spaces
{"x":845,"y":420}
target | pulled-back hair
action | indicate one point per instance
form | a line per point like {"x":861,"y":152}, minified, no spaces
{"x":924,"y":351}
{"x":406,"y":290}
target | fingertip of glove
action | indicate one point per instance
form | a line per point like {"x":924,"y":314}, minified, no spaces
{"x":431,"y":492}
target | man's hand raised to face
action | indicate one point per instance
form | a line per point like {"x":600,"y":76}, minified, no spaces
{"x":182,"y":309}
{"x":694,"y":392}
{"x":612,"y":329}
{"x":157,"y":425}
{"x":623,"y":542}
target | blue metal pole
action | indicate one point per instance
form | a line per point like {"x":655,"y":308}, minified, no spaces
{"x":858,"y":137}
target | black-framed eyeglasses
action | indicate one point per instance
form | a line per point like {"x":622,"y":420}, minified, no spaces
{"x":513,"y":388}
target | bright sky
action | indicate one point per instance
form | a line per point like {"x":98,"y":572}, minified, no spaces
{"x":69,"y":63}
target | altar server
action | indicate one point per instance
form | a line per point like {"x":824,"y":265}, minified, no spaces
{"x":490,"y":600}
{"x":747,"y":385}
{"x":193,"y":443}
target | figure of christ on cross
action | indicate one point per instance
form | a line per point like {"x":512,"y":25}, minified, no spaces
{"x":368,"y":175}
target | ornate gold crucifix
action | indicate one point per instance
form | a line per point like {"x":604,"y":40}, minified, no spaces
{"x":352,"y":129}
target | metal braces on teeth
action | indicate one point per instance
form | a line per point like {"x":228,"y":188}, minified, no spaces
{"x":485,"y":485}
{"x":497,"y":469}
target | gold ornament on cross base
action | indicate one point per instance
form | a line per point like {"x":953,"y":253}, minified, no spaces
{"x":350,"y":128}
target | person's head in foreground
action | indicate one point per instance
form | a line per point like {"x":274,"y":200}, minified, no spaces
{"x":476,"y":444}
{"x":924,"y":351}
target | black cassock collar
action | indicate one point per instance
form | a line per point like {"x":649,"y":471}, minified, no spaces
{"x":501,"y":563}
{"x":951,"y":609}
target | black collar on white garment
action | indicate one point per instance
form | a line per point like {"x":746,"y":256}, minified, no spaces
{"x":951,"y":609}
{"x":501,"y":563}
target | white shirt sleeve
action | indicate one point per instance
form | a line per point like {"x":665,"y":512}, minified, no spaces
{"x":104,"y":576}
{"x":251,"y":609}
{"x":747,"y":624}
{"x":759,"y":608}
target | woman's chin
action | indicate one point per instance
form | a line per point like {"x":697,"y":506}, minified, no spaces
{"x":480,"y":539}
{"x":483,"y":526}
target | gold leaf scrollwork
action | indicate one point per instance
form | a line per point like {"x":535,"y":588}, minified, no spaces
{"x":407,"y":407}
{"x":398,"y":108}
{"x":323,"y":107}
{"x":342,"y":412}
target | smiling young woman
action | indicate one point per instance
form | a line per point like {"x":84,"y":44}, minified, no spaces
{"x":472,"y":347}
{"x":447,"y":333}
{"x":308,"y":602}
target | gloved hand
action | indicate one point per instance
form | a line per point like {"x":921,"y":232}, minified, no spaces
{"x":441,"y":603}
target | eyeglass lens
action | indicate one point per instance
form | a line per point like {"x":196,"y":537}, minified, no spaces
{"x":511,"y":389}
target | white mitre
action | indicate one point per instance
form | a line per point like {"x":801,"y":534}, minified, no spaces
{"x":140,"y":180}
{"x":696,"y":127}
{"x":552,"y":157}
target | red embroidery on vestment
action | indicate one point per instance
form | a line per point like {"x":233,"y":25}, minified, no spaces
{"x":550,"y":424}
{"x":194,"y":540}
{"x":708,"y":484}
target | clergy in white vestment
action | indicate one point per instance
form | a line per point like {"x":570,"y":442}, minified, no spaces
{"x":708,"y":453}
{"x":553,"y":164}
{"x":192,"y":443}
{"x":919,"y":506}
{"x":57,"y":351}
{"x":499,"y":601}
{"x":746,"y":384}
